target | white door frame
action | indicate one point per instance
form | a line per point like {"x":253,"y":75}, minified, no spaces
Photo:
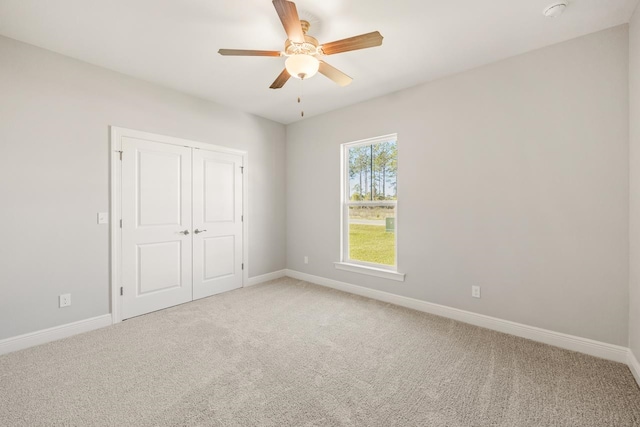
{"x":116,"y":134}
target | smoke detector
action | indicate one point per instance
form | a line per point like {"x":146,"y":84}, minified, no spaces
{"x":554,"y":10}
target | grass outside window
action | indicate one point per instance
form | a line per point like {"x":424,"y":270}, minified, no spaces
{"x":372,"y":243}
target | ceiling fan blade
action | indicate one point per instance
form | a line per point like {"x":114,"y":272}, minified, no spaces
{"x":362,"y":41}
{"x":334,"y":74}
{"x":289,"y":16}
{"x":281,"y":80}
{"x":241,"y":52}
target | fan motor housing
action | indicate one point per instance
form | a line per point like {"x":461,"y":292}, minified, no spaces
{"x":309,"y":47}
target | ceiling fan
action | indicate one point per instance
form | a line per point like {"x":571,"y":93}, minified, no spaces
{"x":302,"y":50}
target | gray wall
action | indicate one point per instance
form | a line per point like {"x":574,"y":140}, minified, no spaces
{"x":513,"y":176}
{"x":634,"y":193}
{"x":55,"y":114}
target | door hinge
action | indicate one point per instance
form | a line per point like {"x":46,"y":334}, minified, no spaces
{"x":120,"y":223}
{"x":241,"y":169}
{"x":243,"y":266}
{"x":241,"y":218}
{"x":119,"y":152}
{"x":121,"y":290}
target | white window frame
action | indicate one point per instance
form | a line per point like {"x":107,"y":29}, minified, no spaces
{"x":345,"y":263}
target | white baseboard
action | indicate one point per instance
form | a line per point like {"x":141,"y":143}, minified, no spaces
{"x":21,"y":342}
{"x":569,"y":342}
{"x":43,"y":336}
{"x":266,"y":277}
{"x":633,"y":364}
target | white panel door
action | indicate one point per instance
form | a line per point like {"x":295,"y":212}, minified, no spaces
{"x":156,"y":226}
{"x":217,"y":222}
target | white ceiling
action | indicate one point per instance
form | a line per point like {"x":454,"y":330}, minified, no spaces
{"x":174,"y":43}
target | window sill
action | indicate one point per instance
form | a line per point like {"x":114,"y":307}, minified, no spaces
{"x":371,"y":271}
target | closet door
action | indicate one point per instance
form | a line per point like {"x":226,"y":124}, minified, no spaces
{"x":217,"y":222}
{"x":156,"y":226}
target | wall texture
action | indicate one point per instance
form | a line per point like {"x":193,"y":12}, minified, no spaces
{"x":634,"y":191}
{"x":55,"y":114}
{"x":513,"y":176}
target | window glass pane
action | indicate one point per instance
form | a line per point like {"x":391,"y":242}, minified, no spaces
{"x":372,"y":171}
{"x":372,"y":234}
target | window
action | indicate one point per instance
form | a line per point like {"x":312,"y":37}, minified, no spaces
{"x":369,"y":206}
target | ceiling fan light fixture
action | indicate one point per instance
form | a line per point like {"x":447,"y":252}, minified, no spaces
{"x":301,"y":49}
{"x":302,"y":66}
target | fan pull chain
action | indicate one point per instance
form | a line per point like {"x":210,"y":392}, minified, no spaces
{"x":300,"y":98}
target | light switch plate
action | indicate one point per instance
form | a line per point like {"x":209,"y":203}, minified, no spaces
{"x":475,"y":291}
{"x":103,"y":218}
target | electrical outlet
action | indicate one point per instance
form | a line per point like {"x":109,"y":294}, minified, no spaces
{"x":306,"y":259}
{"x":65,"y":300}
{"x":475,"y":291}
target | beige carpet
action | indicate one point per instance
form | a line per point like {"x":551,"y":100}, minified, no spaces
{"x":288,"y":353}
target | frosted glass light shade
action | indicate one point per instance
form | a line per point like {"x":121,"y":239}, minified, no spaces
{"x":302,"y":66}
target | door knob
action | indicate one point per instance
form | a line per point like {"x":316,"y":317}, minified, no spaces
{"x":199,"y":231}
{"x":185,"y":232}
